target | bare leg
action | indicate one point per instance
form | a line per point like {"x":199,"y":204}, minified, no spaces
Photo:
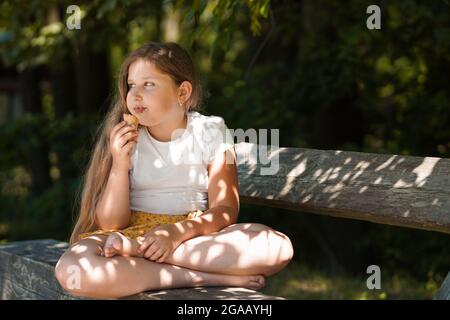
{"x":239,"y":249}
{"x":84,"y":272}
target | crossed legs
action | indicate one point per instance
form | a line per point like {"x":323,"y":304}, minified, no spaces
{"x":237,"y":255}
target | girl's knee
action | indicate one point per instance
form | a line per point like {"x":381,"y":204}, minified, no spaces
{"x":287,"y":249}
{"x":284,"y":255}
{"x":281,"y":246}
{"x":78,"y":281}
{"x":80,"y":273}
{"x":65,"y":268}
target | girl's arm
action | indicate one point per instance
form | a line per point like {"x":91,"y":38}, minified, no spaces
{"x":113,"y":209}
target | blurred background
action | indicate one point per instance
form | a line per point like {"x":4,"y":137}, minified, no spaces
{"x":310,"y":68}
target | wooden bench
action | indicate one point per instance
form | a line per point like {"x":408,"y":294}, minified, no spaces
{"x":397,"y":190}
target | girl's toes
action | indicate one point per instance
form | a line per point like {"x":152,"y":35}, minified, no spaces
{"x":108,"y":252}
{"x":117,"y":244}
{"x":109,"y":248}
{"x":262,"y":281}
{"x":257,"y":282}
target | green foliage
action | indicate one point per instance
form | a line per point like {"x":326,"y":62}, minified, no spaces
{"x":50,"y":213}
{"x":329,"y":82}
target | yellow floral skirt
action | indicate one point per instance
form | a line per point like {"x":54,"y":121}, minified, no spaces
{"x":142,"y":222}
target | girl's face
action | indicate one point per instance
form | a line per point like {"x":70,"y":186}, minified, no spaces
{"x":152,"y":95}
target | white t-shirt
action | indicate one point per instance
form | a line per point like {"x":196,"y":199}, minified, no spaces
{"x":172,"y":177}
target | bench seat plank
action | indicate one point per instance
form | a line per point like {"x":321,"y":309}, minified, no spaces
{"x":27,"y":272}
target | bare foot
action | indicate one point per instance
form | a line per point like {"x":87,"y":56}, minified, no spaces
{"x":113,"y":245}
{"x":118,"y":244}
{"x":257,"y":282}
{"x":254,"y":282}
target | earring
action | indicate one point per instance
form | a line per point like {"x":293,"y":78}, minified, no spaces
{"x":182,"y":106}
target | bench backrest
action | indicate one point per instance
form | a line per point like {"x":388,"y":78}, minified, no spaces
{"x":398,"y":190}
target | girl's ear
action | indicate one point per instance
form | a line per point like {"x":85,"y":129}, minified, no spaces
{"x":184,"y":91}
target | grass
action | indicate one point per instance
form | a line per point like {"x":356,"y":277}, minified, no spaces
{"x":298,"y":282}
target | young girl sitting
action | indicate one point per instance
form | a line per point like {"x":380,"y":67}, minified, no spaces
{"x":160,"y":201}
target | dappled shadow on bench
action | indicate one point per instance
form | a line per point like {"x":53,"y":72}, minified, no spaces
{"x":390,"y":189}
{"x":27,"y":272}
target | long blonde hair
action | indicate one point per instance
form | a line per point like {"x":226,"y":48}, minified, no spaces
{"x":169,"y":58}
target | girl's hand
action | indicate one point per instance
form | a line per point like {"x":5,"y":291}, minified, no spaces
{"x":122,"y":138}
{"x":159,"y":243}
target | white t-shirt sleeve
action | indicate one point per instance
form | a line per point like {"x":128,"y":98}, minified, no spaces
{"x":219,"y":138}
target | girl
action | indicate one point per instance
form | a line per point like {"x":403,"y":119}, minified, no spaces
{"x":160,"y":203}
